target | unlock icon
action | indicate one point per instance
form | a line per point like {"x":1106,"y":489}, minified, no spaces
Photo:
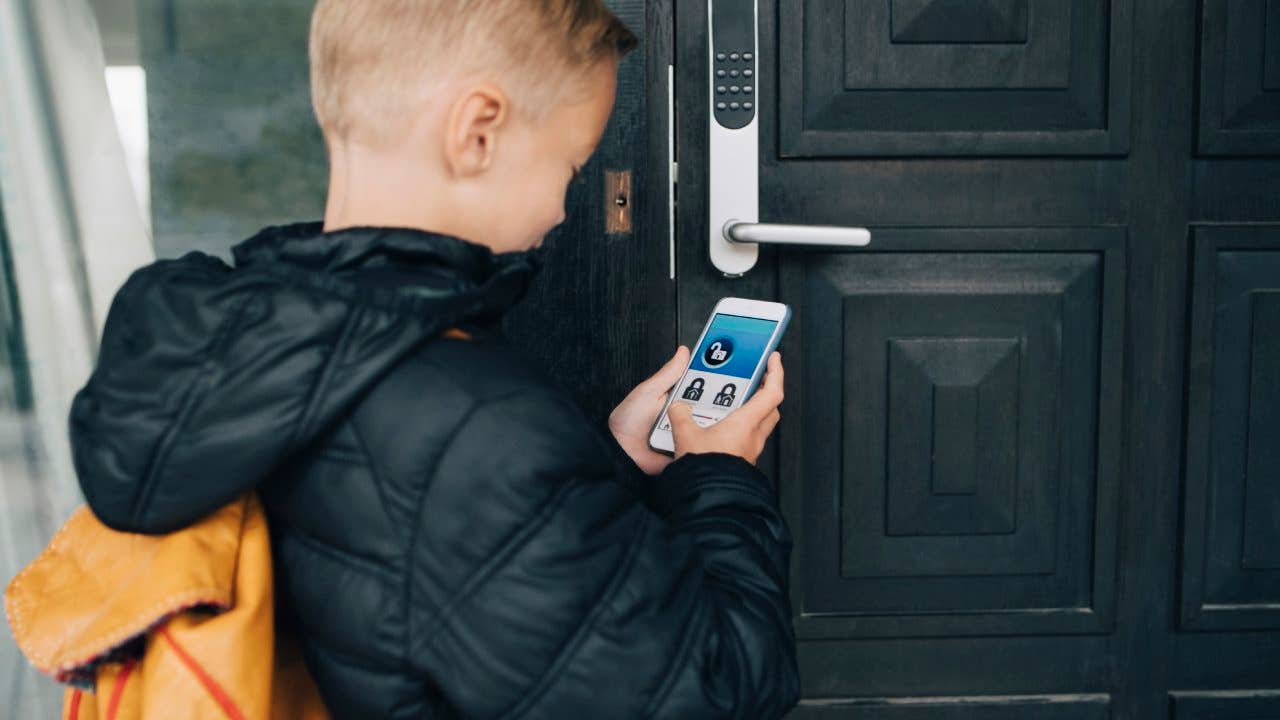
{"x":718,"y":352}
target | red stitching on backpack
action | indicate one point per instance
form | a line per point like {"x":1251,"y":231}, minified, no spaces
{"x":215,"y":690}
{"x":117,"y":692}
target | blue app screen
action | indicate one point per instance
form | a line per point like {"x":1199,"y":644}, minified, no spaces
{"x":722,"y":366}
{"x":733,"y":345}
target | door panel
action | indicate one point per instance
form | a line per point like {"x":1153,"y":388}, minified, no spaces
{"x":937,"y":78}
{"x":1225,"y":651}
{"x":999,"y":508}
{"x":958,"y":464}
{"x":1240,"y":78}
{"x":1231,"y":562}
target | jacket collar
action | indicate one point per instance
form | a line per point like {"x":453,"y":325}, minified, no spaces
{"x":391,"y":265}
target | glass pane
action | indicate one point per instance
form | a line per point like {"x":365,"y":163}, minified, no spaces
{"x":212,"y":103}
{"x":214,"y":108}
{"x":26,"y":514}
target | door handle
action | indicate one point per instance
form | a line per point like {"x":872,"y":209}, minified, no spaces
{"x":739,"y":231}
{"x":734,"y":145}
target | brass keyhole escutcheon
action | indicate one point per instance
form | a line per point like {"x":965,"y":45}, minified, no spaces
{"x":617,"y":193}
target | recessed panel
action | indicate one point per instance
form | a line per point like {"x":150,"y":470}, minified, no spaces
{"x":960,"y":406}
{"x":879,"y":61}
{"x":1240,"y":77}
{"x":952,"y":432}
{"x":942,"y":77}
{"x":1231,"y":572}
{"x":886,"y":433}
{"x":959,"y":21}
{"x":1262,"y":453}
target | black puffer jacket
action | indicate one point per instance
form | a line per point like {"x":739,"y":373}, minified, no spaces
{"x":452,"y":537}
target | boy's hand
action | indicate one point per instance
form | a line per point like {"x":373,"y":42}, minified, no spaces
{"x":632,"y":420}
{"x":741,"y":432}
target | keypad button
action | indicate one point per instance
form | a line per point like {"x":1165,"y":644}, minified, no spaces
{"x":720,"y":106}
{"x":721,"y":73}
{"x":733,"y":88}
{"x":746,"y":56}
{"x":719,"y":56}
{"x":746,"y":106}
{"x":733,"y":56}
{"x":733,"y":106}
{"x":747,"y":72}
{"x":720,"y":88}
{"x":746,"y":88}
{"x":733,"y":73}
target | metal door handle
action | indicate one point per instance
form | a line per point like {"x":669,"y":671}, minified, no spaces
{"x":734,"y":99}
{"x":740,"y":231}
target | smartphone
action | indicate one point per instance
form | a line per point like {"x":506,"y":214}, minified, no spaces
{"x":727,"y":363}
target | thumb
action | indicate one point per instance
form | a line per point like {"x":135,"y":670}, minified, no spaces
{"x":681,"y":416}
{"x":670,"y":373}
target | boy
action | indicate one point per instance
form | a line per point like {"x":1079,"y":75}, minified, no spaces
{"x":451,"y":536}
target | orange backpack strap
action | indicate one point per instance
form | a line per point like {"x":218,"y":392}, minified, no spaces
{"x":457,"y":333}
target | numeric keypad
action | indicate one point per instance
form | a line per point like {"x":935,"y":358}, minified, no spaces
{"x":735,"y":87}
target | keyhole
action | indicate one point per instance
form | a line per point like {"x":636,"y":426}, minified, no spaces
{"x":621,"y":201}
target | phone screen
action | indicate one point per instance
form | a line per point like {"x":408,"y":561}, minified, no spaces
{"x":719,"y":374}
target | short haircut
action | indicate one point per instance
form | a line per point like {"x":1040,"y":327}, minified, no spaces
{"x":373,"y":62}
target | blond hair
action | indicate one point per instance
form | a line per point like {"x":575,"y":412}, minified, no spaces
{"x":373,"y":62}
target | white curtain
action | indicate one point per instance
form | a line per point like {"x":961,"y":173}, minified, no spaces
{"x":74,"y":233}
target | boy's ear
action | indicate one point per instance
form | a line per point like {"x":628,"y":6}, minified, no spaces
{"x":471,"y":128}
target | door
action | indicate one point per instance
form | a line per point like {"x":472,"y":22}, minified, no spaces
{"x":1029,"y":443}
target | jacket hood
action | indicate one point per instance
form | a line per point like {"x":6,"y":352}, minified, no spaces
{"x":209,"y":376}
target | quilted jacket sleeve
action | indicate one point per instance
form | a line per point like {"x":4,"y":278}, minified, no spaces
{"x":599,"y":605}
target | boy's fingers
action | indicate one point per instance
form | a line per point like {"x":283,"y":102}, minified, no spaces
{"x":680,"y":414}
{"x":670,"y":373}
{"x":774,"y":377}
{"x":769,"y":394}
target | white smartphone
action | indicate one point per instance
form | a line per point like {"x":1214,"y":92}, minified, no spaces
{"x":727,"y":363}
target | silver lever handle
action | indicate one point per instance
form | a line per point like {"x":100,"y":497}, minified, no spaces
{"x":739,"y":231}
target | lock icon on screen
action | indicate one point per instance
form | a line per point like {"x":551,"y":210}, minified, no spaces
{"x":718,"y":352}
{"x":725,"y":397}
{"x":694,"y":391}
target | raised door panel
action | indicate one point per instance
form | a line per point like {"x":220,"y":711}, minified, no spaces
{"x":952,"y":78}
{"x":959,"y":452}
{"x":1240,"y":77}
{"x":1231,"y":547}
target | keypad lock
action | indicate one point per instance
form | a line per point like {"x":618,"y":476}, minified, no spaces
{"x":735,"y":88}
{"x":734,"y":128}
{"x":733,"y":203}
{"x":733,"y":62}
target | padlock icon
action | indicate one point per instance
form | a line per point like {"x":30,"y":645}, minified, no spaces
{"x":718,"y":352}
{"x":725,"y":397}
{"x":694,"y":391}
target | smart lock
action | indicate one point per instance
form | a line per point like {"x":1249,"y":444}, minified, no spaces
{"x":734,"y":145}
{"x":735,"y":138}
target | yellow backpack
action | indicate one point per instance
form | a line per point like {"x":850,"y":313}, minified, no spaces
{"x":162,"y":626}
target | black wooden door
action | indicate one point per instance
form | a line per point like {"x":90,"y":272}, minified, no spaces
{"x":1030,"y":449}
